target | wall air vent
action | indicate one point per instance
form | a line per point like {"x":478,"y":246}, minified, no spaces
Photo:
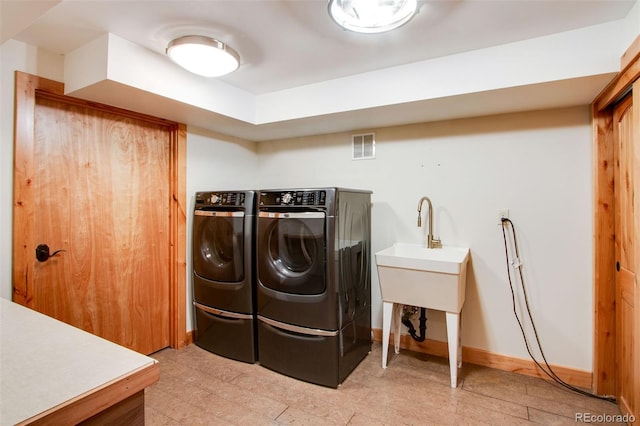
{"x":363,"y":146}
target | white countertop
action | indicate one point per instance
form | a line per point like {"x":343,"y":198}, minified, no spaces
{"x":45,"y":362}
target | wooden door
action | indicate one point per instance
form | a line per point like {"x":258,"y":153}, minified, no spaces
{"x":625,"y":248}
{"x":95,"y":184}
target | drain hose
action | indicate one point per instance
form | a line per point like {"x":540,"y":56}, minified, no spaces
{"x":423,"y":325}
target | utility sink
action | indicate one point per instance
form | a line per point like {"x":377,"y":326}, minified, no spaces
{"x":434,"y":278}
{"x":412,"y":274}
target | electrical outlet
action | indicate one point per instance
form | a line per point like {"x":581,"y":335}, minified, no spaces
{"x":502,"y":214}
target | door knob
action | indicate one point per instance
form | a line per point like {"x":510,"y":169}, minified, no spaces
{"x":43,"y":254}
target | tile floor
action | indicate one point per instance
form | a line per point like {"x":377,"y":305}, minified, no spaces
{"x":200,"y":388}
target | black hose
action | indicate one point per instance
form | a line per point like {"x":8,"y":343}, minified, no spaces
{"x":548,"y":370}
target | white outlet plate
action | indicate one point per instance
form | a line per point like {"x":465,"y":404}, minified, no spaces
{"x":502,"y":214}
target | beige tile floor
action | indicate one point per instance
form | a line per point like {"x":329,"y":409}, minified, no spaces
{"x":200,"y":388}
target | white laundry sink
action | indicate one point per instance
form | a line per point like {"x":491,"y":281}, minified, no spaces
{"x":434,"y":278}
{"x":412,"y":274}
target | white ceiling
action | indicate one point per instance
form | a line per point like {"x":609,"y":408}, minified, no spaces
{"x":287,"y":44}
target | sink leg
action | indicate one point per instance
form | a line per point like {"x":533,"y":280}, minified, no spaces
{"x":453,"y":339}
{"x":460,"y":340}
{"x":397,"y":318}
{"x":387,"y":311}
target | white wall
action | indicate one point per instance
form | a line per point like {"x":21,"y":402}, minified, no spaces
{"x":537,"y":164}
{"x":630,"y":26}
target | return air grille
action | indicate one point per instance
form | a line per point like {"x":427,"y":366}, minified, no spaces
{"x":364,"y":146}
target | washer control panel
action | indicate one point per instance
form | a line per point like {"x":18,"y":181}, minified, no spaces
{"x":293,"y":198}
{"x":220,"y":199}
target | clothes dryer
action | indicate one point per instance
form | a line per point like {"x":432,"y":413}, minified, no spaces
{"x":313,"y":254}
{"x":224,"y":273}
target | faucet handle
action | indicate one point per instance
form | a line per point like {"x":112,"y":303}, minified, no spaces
{"x":436,"y":243}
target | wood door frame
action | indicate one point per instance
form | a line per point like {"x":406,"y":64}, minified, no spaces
{"x":604,"y":231}
{"x":26,"y":88}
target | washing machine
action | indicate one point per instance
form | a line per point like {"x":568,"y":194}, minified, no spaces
{"x":313,"y":257}
{"x":224,"y":273}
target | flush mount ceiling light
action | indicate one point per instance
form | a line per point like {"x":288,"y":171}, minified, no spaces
{"x":372,"y":16}
{"x":203,"y":55}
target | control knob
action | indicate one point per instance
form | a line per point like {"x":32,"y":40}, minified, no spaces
{"x":214,"y":198}
{"x":287,"y":198}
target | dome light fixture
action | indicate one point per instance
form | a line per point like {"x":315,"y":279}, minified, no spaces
{"x":372,"y":16}
{"x":204,"y":56}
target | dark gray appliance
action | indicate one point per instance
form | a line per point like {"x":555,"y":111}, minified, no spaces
{"x":224,"y":273}
{"x":313,"y":255}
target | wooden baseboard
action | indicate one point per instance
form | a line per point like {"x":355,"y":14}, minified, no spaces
{"x":575,"y":377}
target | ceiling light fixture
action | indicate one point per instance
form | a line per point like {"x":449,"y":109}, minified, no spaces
{"x":372,"y":16}
{"x":203,"y":55}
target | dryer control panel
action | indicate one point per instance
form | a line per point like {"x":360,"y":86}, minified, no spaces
{"x":293,"y":198}
{"x":220,"y":199}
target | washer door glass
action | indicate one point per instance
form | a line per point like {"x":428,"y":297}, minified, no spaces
{"x":291,"y":252}
{"x":218,"y":245}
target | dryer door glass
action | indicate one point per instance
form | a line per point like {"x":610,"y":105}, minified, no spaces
{"x":291,"y":252}
{"x":218,"y":245}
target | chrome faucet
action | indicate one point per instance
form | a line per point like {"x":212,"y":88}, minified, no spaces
{"x":431,"y":242}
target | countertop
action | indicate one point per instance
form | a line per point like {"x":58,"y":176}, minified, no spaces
{"x":47,"y":366}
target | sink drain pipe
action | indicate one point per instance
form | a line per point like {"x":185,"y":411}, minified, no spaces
{"x":406,"y":320}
